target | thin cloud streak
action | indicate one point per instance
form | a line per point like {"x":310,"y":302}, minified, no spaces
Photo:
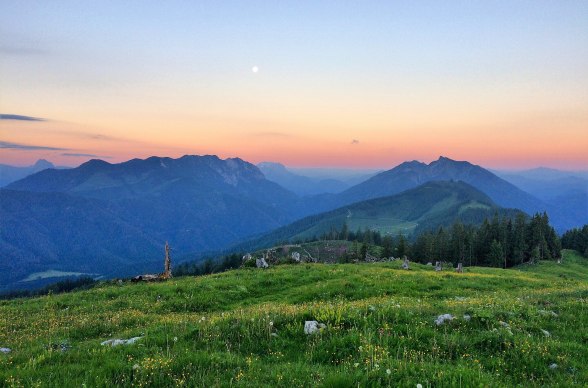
{"x":4,"y":116}
{"x":73,"y":155}
{"x":26,"y":147}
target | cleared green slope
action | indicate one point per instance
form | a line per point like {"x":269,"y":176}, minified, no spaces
{"x":246,"y":328}
{"x":426,"y":207}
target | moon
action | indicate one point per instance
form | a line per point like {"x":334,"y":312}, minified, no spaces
{"x":255,"y":69}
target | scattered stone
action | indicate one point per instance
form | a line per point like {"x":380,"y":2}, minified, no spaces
{"x":5,"y":350}
{"x":312,"y":327}
{"x":459,"y":268}
{"x":405,"y":263}
{"x":504,"y":324}
{"x":118,"y":341}
{"x":553,"y":366}
{"x":442,"y":318}
{"x":546,"y":312}
{"x":274,"y":334}
{"x":438,"y":266}
{"x":546,"y":333}
{"x":247,"y":257}
{"x":296,"y":257}
{"x":261,"y":263}
{"x":64,"y":347}
{"x":467,"y":317}
{"x":460,"y":298}
{"x":430,"y":264}
{"x":119,"y":282}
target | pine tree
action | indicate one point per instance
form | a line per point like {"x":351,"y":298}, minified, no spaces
{"x":496,"y":256}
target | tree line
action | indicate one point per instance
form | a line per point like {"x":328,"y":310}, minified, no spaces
{"x":576,"y":239}
{"x":497,"y":242}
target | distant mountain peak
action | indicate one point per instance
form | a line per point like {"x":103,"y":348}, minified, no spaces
{"x":443,"y":160}
{"x":272,"y":165}
{"x":43,"y":163}
{"x":411,"y":174}
{"x":94,"y":164}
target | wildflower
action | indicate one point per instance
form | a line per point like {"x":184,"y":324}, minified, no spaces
{"x":175,"y":339}
{"x":271,"y":323}
{"x":388,"y":371}
{"x":419,"y":386}
{"x":356,"y":364}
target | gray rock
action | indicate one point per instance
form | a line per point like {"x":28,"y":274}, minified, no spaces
{"x":467,"y":317}
{"x":438,"y":266}
{"x":405,"y":264}
{"x":546,"y":333}
{"x":442,"y":318}
{"x":296,"y":257}
{"x":546,"y":312}
{"x":5,"y":350}
{"x":261,"y":263}
{"x":553,"y":366}
{"x":312,"y":327}
{"x":118,"y":341}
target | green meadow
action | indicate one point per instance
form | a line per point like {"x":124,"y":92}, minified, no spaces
{"x":525,"y":326}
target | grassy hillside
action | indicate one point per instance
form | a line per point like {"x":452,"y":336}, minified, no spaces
{"x":426,"y":207}
{"x":246,"y":328}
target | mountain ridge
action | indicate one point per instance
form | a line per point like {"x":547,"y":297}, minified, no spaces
{"x":432,"y":204}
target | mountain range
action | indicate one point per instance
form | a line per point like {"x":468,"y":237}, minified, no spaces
{"x":113,"y":219}
{"x":9,"y":174}
{"x":198,"y":203}
{"x":301,"y":184}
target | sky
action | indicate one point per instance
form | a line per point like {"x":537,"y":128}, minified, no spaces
{"x":365,"y":84}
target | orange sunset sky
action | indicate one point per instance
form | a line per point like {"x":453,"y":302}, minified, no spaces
{"x":325,"y":84}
